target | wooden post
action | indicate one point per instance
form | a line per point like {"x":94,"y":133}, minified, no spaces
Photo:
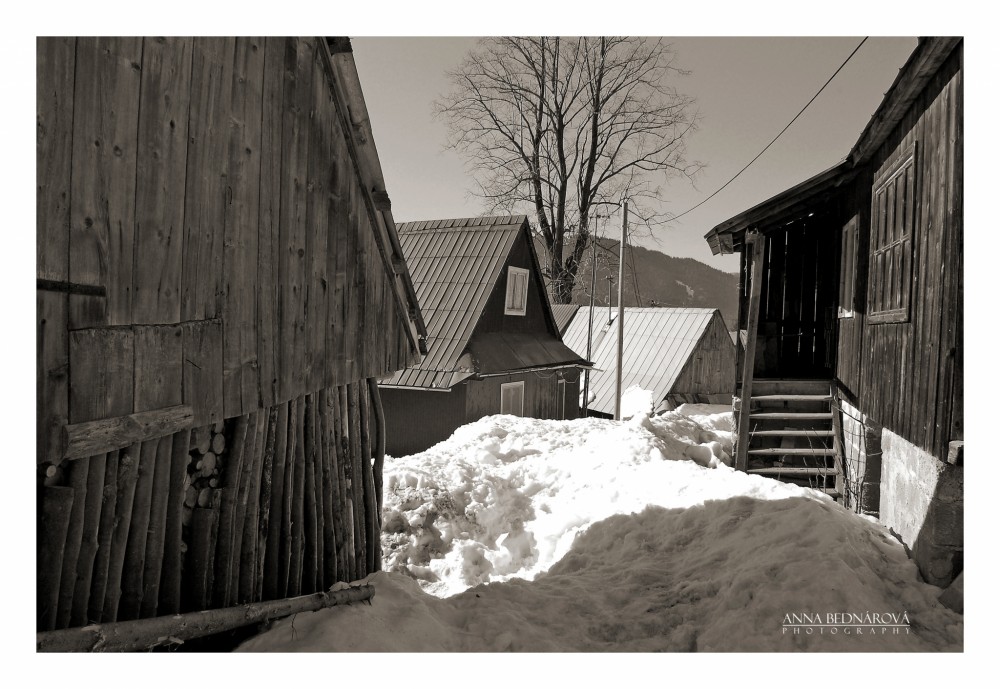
{"x":227,"y":514}
{"x":755,"y":241}
{"x":74,"y":538}
{"x":311,"y":545}
{"x":337,"y":481}
{"x":272,"y":551}
{"x":105,"y":530}
{"x":88,"y":545}
{"x":379,"y":414}
{"x":298,"y":505}
{"x":264,"y":511}
{"x":285,"y":556}
{"x":346,"y":474}
{"x":327,"y":491}
{"x":357,"y":482}
{"x":170,"y":581}
{"x":245,"y":584}
{"x":157,"y":532}
{"x":135,"y":550}
{"x":55,"y":507}
{"x":128,"y":477}
{"x":372,"y":532}
{"x":247,"y":485}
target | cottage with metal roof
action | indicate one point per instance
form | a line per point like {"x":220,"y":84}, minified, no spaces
{"x":680,"y":355}
{"x":493,"y":346}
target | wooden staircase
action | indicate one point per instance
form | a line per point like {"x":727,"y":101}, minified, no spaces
{"x":794,"y":434}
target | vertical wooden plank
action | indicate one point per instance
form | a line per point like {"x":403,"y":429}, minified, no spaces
{"x":340,"y":228}
{"x":128,"y":474}
{"x":264,"y":502}
{"x":157,"y":530}
{"x":102,"y":212}
{"x":101,"y":374}
{"x":89,"y":542}
{"x":271,"y":588}
{"x":287,"y":510}
{"x":247,"y":479}
{"x":202,"y":370}
{"x":246,"y":584}
{"x":268,"y":246}
{"x":345,"y":545}
{"x":206,"y":179}
{"x":159,"y":367}
{"x":357,"y":481}
{"x":55,"y":65}
{"x":327,"y":491}
{"x":198,"y":577}
{"x":317,"y":208}
{"x":78,"y":471}
{"x":130,"y":605}
{"x":312,"y":547}
{"x":55,"y":506}
{"x":105,"y":531}
{"x":292,"y":231}
{"x":51,"y":375}
{"x":338,"y":492}
{"x":753,"y":310}
{"x":160,"y":179}
{"x":372,"y":531}
{"x":298,"y":505}
{"x":227,"y":514}
{"x":170,"y":580}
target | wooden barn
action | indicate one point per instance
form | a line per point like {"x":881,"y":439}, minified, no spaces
{"x":679,"y":354}
{"x":492,"y":345}
{"x":220,"y":284}
{"x":851,"y":284}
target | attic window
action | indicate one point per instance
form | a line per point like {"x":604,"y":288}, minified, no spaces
{"x":517,"y":291}
{"x":512,"y":398}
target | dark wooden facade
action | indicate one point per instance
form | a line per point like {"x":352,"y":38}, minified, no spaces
{"x":215,"y":250}
{"x":708,"y":374}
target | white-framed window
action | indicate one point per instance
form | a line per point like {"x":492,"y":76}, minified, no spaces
{"x":517,"y":291}
{"x":512,"y":398}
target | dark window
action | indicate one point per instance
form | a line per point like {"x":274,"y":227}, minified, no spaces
{"x":848,"y":267}
{"x":891,"y":264}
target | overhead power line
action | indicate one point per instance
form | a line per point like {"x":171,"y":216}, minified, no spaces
{"x":733,"y":178}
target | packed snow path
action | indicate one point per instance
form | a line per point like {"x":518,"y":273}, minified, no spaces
{"x":594,"y":535}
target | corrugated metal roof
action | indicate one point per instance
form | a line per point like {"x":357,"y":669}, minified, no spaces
{"x":658,"y":343}
{"x":454,"y":265}
{"x":563,"y":314}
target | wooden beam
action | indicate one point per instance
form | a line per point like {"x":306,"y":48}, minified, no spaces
{"x":956,"y":452}
{"x":756,"y":241}
{"x":97,"y":437}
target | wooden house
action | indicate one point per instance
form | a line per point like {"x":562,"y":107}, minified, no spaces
{"x":851,"y":286}
{"x":220,"y":282}
{"x":678,"y":354}
{"x":492,"y":342}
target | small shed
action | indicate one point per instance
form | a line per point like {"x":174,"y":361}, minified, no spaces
{"x":219,"y":285}
{"x":679,"y":354}
{"x":492,"y":345}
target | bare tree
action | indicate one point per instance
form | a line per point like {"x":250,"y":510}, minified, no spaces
{"x":563,"y":126}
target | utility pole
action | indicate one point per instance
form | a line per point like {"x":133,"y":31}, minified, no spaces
{"x":590,"y":325}
{"x":621,"y":312}
{"x":611,"y":280}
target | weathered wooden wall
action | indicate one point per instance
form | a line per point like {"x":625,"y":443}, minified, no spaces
{"x":280,"y":502}
{"x":712,"y":365}
{"x":204,"y":234}
{"x":542,"y":396}
{"x":417,"y":419}
{"x":907,"y":376}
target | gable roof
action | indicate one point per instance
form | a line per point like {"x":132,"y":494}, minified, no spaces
{"x":455,"y":265}
{"x":920,"y":67}
{"x":658,"y":343}
{"x":563,"y":314}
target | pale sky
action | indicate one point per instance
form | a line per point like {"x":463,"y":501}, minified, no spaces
{"x":747,"y":90}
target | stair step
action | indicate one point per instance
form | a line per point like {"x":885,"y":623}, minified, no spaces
{"x":798,"y":451}
{"x":792,"y":416}
{"x":791,"y":398}
{"x":794,"y":471}
{"x":797,"y":433}
{"x":773,"y":386}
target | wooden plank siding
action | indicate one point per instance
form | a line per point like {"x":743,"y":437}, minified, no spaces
{"x":908,"y":377}
{"x":709,"y":371}
{"x":206,"y":194}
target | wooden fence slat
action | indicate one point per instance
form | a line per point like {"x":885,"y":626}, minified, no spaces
{"x":127,"y":479}
{"x":130,"y":605}
{"x":55,"y":510}
{"x":170,"y":580}
{"x":271,"y":581}
{"x":357,"y":482}
{"x":74,"y":538}
{"x":372,"y":540}
{"x":246,"y":585}
{"x":89,"y":543}
{"x":160,"y":179}
{"x":157,"y":530}
{"x":312,"y":547}
{"x":326,"y":490}
{"x":346,"y":480}
{"x":285,"y":558}
{"x":105,"y":531}
{"x":227,"y":514}
{"x":264,"y":511}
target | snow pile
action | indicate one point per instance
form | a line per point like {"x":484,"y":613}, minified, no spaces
{"x":637,"y":401}
{"x":593,"y":535}
{"x":505,"y":496}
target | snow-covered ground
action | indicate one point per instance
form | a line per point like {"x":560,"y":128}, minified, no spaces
{"x":593,"y":535}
